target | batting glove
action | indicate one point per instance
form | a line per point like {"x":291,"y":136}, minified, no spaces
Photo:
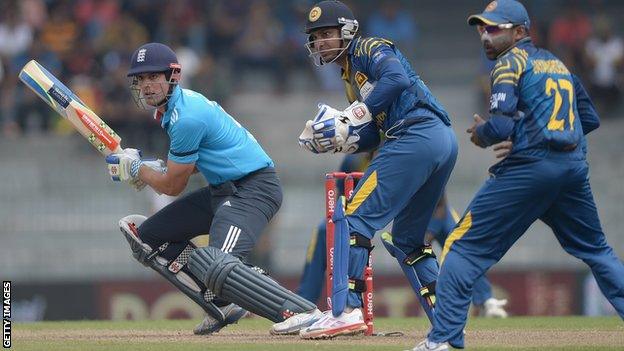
{"x":124,"y":166}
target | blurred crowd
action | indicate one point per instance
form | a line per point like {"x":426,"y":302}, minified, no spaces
{"x":224,"y":44}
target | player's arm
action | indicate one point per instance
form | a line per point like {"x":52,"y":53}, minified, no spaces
{"x":384,"y":66}
{"x":505,"y":78}
{"x":172,"y":182}
{"x":585,"y":107}
{"x":186,"y":135}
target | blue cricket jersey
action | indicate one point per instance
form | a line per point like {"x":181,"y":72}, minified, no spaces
{"x":534,"y":102}
{"x":202,"y":132}
{"x":381,"y":77}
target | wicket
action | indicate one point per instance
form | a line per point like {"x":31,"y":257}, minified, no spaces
{"x":331,"y":199}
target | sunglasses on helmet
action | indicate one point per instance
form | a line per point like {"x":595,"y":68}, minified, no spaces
{"x":495,"y":28}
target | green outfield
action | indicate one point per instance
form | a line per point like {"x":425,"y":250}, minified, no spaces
{"x":519,"y":333}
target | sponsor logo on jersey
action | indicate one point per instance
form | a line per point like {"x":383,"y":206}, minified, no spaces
{"x":366,"y":90}
{"x":496,"y":98}
{"x":359,"y":112}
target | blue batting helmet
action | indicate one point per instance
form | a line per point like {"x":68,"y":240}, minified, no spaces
{"x":328,"y":13}
{"x":152,"y":57}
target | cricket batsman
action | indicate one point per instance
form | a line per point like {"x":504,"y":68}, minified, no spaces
{"x":243,"y":195}
{"x":404,"y":180}
{"x":545,"y":111}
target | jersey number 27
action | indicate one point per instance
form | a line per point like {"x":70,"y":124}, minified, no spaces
{"x":557,"y":121}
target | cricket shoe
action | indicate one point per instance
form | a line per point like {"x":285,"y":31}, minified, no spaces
{"x":427,"y":345}
{"x":209,"y":325}
{"x":348,"y":323}
{"x":295,"y":323}
{"x":493,"y":308}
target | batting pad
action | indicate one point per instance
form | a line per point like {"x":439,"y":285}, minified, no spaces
{"x":172,"y":272}
{"x":230,"y":279}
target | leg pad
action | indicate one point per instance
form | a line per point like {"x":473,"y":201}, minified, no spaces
{"x":234,"y":281}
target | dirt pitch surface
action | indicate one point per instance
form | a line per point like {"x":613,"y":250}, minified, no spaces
{"x":253,"y":335}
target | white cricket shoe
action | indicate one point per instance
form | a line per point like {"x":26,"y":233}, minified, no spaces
{"x":209,"y":325}
{"x":295,"y":323}
{"x":427,"y":345}
{"x":328,"y":326}
{"x":493,"y":308}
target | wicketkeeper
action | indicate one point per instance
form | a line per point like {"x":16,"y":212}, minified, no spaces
{"x":405,"y":179}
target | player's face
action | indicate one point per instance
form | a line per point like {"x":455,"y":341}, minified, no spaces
{"x":495,"y":39}
{"x":153,"y":87}
{"x":326,"y":42}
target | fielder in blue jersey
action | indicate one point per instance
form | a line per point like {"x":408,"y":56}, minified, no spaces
{"x":244,"y":193}
{"x":404,"y":180}
{"x":544,"y":109}
{"x":442,"y":223}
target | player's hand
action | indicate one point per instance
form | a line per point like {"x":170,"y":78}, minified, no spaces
{"x":324,"y":128}
{"x":137,"y":184}
{"x":157,"y":165}
{"x":124,"y":166}
{"x":474,"y":137}
{"x":306,"y":140}
{"x":502,"y":149}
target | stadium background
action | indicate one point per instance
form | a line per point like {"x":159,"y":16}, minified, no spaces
{"x":59,"y":240}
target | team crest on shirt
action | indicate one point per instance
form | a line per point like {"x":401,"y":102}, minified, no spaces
{"x":360,"y":79}
{"x":365,"y":87}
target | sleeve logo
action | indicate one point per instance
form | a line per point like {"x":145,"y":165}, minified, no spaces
{"x":496,"y":98}
{"x":359,"y":112}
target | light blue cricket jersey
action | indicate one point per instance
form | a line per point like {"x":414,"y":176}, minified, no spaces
{"x":202,"y":132}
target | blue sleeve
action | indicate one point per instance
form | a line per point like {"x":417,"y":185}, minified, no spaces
{"x":186,"y":135}
{"x":585,"y":107}
{"x":384,"y":66}
{"x":495,"y":130}
{"x":369,"y":138}
{"x":505,"y":78}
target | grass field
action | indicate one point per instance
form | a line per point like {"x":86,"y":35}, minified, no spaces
{"x":519,"y":333}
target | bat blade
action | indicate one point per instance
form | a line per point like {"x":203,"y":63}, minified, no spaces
{"x":70,"y":107}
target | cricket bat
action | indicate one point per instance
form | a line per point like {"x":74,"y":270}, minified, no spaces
{"x":68,"y":105}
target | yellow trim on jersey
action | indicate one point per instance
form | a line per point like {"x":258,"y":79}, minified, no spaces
{"x":513,"y":77}
{"x":359,"y":47}
{"x":501,"y":67}
{"x":455,"y":215}
{"x":366,"y":46}
{"x":363,"y":193}
{"x":346,"y":72}
{"x":349,"y":90}
{"x":520,"y":64}
{"x":507,"y":81}
{"x":312,"y":246}
{"x":457,"y":234}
